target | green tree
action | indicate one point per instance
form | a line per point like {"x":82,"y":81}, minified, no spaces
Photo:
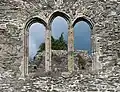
{"x":57,"y":44}
{"x":42,"y":47}
{"x":61,"y":38}
{"x":61,"y":43}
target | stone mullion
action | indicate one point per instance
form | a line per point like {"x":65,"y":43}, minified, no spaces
{"x":96,"y":64}
{"x":93,"y":49}
{"x":70,"y":49}
{"x":25,"y":62}
{"x":48,"y":50}
{"x":27,"y":53}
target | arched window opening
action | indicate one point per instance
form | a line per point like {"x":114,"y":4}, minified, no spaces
{"x":58,"y":14}
{"x":82,"y":44}
{"x":59,"y":37}
{"x":59,"y":43}
{"x":82,"y":36}
{"x":36,"y":46}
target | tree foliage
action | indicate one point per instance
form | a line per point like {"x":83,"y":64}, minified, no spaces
{"x":57,"y":44}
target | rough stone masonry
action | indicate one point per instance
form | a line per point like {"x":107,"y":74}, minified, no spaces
{"x":103,"y":16}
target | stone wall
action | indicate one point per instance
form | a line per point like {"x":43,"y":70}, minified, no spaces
{"x":103,"y":14}
{"x":60,"y":61}
{"x":14,"y":15}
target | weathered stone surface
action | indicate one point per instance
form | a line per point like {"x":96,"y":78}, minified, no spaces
{"x":60,"y":61}
{"x":105,"y":16}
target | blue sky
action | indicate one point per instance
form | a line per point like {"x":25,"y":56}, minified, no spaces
{"x":81,"y":33}
{"x":36,"y":37}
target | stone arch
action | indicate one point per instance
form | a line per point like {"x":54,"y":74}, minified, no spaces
{"x":26,"y":39}
{"x":90,"y":24}
{"x":58,"y":13}
{"x":68,"y":19}
{"x":33,"y":20}
{"x":83,"y":19}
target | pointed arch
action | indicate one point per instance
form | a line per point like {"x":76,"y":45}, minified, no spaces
{"x":33,"y":20}
{"x":26,"y":39}
{"x":58,"y":13}
{"x":83,"y":19}
{"x":89,"y":23}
